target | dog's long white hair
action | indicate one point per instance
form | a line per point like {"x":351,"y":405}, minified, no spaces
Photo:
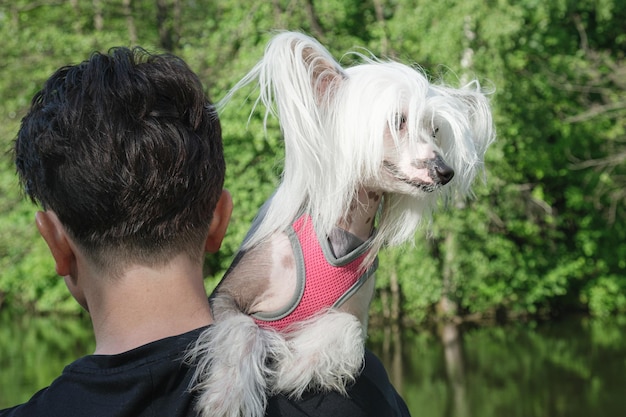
{"x":333,"y":130}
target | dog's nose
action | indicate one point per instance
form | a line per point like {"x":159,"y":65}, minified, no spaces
{"x":444,"y":172}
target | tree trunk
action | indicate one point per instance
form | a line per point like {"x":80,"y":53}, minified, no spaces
{"x":98,"y":19}
{"x":380,"y":18}
{"x":130,"y":22}
{"x":176,"y":24}
{"x":166,"y":40}
{"x":316,"y":26}
{"x":451,"y":338}
{"x":78,"y":23}
{"x":447,"y":306}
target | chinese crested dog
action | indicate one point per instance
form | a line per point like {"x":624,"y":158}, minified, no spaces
{"x":369,"y":150}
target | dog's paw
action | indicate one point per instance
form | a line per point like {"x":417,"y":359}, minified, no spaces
{"x":325,"y":353}
{"x":232,"y":371}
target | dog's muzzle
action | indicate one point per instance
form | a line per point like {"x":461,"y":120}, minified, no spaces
{"x":439,"y":172}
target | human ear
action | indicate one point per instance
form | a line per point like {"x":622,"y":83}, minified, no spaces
{"x":219,"y":224}
{"x":53,"y":232}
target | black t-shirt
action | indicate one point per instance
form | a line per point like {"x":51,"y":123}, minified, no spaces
{"x":153,"y":381}
{"x":371,"y":396}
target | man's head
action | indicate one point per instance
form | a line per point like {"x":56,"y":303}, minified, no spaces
{"x":126,"y":149}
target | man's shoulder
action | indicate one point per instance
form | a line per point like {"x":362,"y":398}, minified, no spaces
{"x":31,"y":408}
{"x":78,"y":392}
{"x":372,"y":395}
{"x":152,"y":380}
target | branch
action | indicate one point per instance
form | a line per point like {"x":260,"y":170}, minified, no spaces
{"x":609,"y":161}
{"x":596,"y":111}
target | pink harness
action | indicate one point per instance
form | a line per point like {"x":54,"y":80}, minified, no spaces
{"x":324,"y":284}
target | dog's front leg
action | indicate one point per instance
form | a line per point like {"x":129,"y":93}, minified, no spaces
{"x":232,"y":362}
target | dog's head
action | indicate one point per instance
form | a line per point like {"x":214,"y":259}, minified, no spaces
{"x":418,"y":137}
{"x":379,"y":125}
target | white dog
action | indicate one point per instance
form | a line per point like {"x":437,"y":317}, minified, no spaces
{"x":368,"y":152}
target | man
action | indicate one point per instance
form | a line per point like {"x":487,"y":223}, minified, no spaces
{"x":123,"y":152}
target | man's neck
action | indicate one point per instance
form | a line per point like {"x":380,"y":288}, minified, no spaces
{"x":147,"y":304}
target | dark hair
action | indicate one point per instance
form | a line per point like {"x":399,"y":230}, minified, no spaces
{"x":126,"y":149}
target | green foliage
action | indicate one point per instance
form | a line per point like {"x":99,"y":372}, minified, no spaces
{"x":544,"y":234}
{"x":606,"y":295}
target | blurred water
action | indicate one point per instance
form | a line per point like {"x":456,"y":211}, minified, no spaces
{"x":570,"y":368}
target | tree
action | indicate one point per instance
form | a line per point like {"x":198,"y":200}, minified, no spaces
{"x":544,"y":233}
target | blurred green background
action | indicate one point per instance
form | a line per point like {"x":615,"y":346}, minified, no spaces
{"x":543,"y":243}
{"x":545,"y":234}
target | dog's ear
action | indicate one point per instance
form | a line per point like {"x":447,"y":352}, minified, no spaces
{"x":325,"y":73}
{"x":473,"y":121}
{"x":476,"y":109}
{"x":300,"y":82}
{"x":480,"y":118}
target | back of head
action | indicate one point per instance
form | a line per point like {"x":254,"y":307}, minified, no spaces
{"x":126,"y":149}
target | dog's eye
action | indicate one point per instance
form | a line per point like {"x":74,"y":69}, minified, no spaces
{"x":435,"y":132}
{"x":399,"y":121}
